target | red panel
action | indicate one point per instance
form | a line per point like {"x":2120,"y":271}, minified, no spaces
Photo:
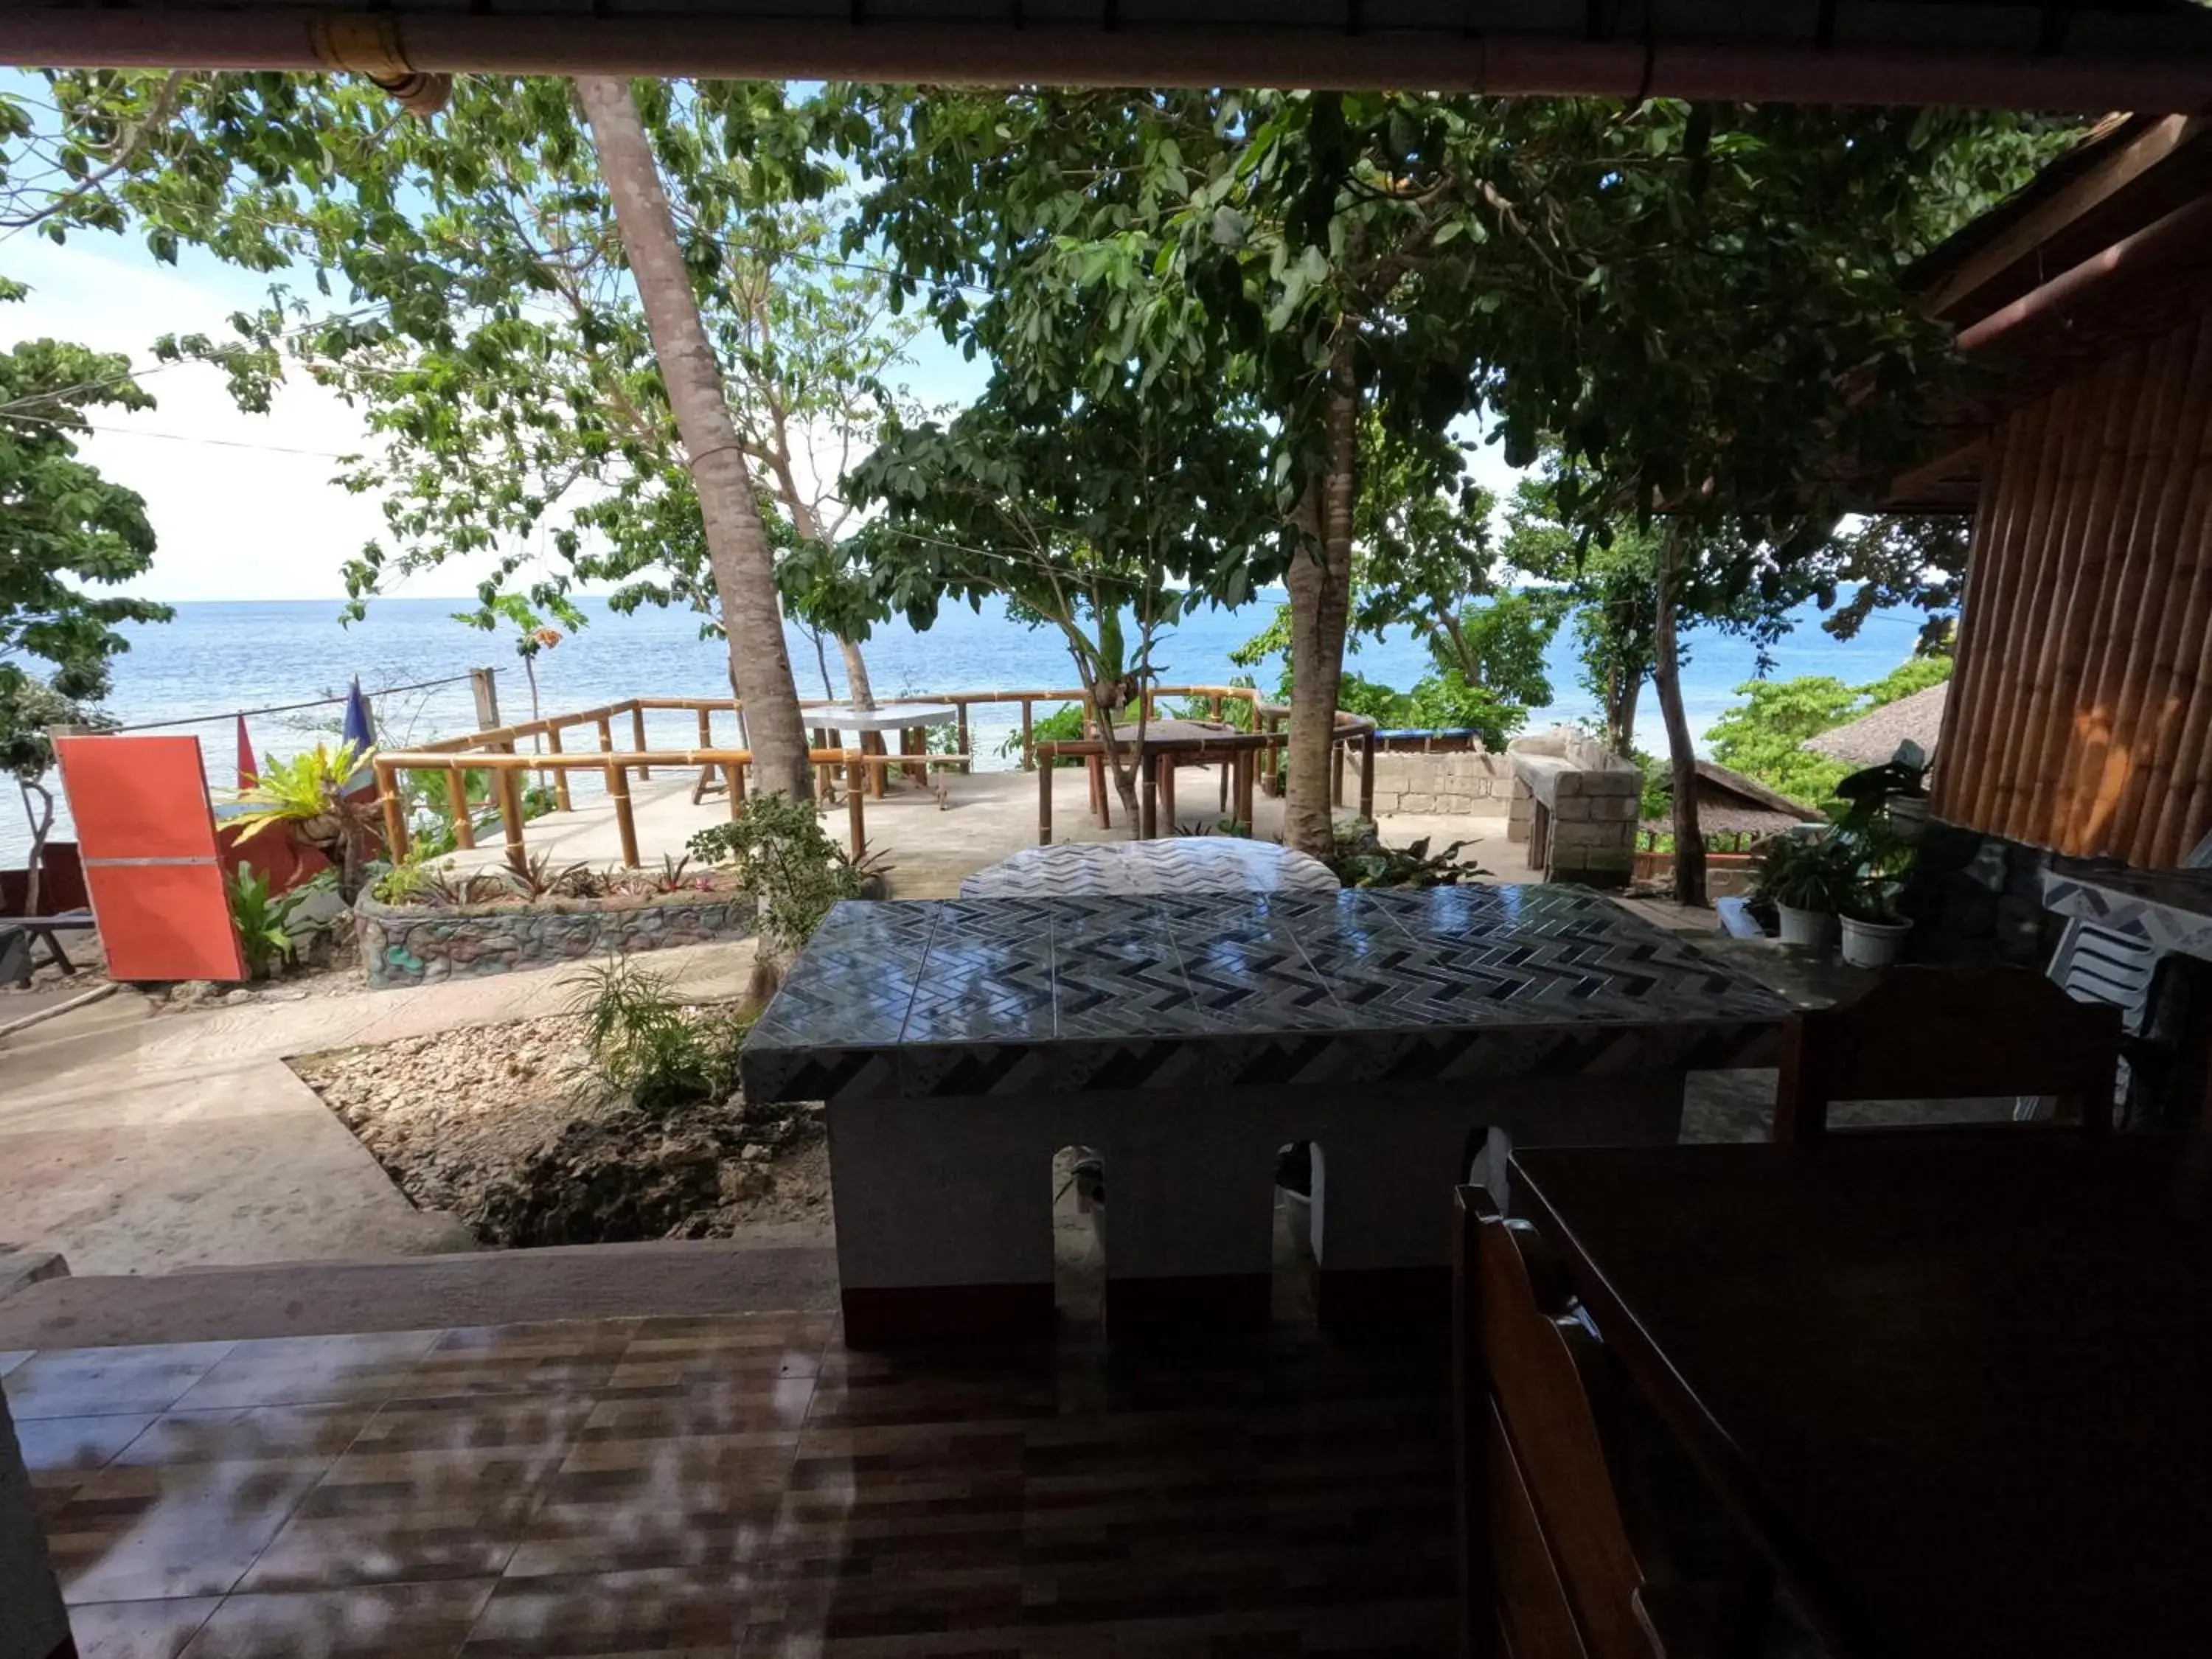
{"x":137,"y":798}
{"x":165,"y":921}
{"x":147,"y":833}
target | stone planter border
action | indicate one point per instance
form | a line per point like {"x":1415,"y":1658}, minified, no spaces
{"x":419,"y":945}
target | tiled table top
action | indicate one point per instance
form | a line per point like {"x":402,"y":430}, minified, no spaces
{"x":1185,"y":864}
{"x":1002,"y":994}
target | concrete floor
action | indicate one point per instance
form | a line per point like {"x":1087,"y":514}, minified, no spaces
{"x":987,"y":816}
{"x":136,"y":1143}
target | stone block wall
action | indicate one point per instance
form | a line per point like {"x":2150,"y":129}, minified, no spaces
{"x":416,"y":945}
{"x":1578,"y":803}
{"x":1467,"y":783}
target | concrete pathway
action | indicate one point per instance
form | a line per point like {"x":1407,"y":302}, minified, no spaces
{"x":136,"y":1143}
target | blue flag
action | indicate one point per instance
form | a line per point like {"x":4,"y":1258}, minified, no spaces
{"x":360,"y":731}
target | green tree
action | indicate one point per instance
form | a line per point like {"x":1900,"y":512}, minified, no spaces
{"x":1105,"y":517}
{"x":1762,"y":736}
{"x":1296,"y":246}
{"x":522,"y":274}
{"x":65,"y":531}
{"x":1702,"y":335}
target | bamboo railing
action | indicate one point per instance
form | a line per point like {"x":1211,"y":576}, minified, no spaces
{"x":722,"y":769}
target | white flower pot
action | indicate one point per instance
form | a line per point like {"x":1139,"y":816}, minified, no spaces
{"x":1807,"y":930}
{"x":1874,"y":944}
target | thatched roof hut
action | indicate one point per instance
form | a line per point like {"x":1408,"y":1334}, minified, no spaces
{"x":1873,"y":737}
{"x":1730,"y":804}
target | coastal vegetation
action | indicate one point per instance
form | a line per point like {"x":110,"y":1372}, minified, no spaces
{"x":1233,"y":337}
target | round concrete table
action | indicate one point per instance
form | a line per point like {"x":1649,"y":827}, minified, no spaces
{"x":1226,"y":863}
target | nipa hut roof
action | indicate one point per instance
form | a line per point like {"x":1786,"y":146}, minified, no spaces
{"x":1872,"y":738}
{"x":1730,"y":804}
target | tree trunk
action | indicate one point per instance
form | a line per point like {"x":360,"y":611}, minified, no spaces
{"x":1667,"y":674}
{"x":736,"y":542}
{"x":1621,"y":698}
{"x":858,"y":692}
{"x":1320,"y":581}
{"x":42,"y":825}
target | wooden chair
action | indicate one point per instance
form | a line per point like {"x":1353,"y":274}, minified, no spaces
{"x":1548,"y":1568}
{"x":1950,"y":1034}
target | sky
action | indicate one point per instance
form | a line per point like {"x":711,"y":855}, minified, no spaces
{"x":243,"y":505}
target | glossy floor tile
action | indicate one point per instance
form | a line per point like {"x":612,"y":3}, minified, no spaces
{"x":744,"y":1486}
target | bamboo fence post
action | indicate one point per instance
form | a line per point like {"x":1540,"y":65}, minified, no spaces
{"x":505,"y":790}
{"x":855,"y":796}
{"x":1216,"y":706}
{"x":606,"y":735}
{"x":625,"y":825}
{"x":637,"y":732}
{"x":1028,"y":736}
{"x":560,"y":773}
{"x":457,"y":803}
{"x":960,"y":732}
{"x":1044,"y":802}
{"x":395,"y":816}
{"x":733,"y":785}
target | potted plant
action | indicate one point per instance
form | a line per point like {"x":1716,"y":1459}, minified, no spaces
{"x":1807,"y":879}
{"x":1874,"y":934}
{"x":327,"y":798}
{"x":1895,"y":791}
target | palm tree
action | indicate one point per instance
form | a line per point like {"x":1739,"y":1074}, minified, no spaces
{"x":736,"y":542}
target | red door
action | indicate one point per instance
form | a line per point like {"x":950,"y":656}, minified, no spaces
{"x":146,"y":832}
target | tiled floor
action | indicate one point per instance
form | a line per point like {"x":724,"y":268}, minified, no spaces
{"x":742,"y":1484}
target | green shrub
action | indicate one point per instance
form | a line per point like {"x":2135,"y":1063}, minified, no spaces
{"x":648,"y":1045}
{"x":785,"y":860}
{"x":263,"y":919}
{"x":1359,"y":859}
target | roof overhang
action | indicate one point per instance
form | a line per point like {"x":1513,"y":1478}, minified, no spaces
{"x":2073,"y":55}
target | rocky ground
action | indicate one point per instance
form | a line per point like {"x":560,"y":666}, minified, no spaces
{"x":509,"y":1128}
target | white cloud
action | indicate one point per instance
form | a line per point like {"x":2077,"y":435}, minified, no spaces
{"x":243,"y":505}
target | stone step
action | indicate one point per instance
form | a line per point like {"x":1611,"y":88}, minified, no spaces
{"x":501,"y":1287}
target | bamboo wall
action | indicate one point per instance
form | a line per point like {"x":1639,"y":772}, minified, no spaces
{"x":2081,"y":715}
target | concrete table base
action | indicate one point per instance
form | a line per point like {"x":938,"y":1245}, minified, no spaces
{"x":944,"y":1215}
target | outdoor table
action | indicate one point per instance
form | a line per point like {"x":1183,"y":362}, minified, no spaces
{"x":1953,"y":1385}
{"x":960,"y":1045}
{"x":1225,"y":864}
{"x":908,"y":720}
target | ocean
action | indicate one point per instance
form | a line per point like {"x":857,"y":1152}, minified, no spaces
{"x":218,"y":658}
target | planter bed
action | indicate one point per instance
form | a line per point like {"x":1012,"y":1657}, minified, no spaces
{"x":421,"y":943}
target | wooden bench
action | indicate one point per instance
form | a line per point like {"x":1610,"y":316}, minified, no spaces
{"x":16,"y":966}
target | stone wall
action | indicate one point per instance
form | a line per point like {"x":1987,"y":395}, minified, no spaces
{"x":1976,"y":900}
{"x":1578,"y":803}
{"x":1465,"y":783}
{"x":416,"y":945}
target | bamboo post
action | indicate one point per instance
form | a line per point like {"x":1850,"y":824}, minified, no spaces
{"x":1367,"y":775}
{"x":395,"y":816}
{"x":625,"y":825}
{"x":606,"y":735}
{"x":1028,"y":736}
{"x":1167,"y":769}
{"x":1148,"y":804}
{"x":637,"y":732}
{"x":1247,"y":769}
{"x":1044,"y":801}
{"x":733,"y":785}
{"x":960,"y":730}
{"x":508,"y":793}
{"x":560,"y":773}
{"x":457,"y":803}
{"x":855,"y":796}
{"x":1216,"y":706}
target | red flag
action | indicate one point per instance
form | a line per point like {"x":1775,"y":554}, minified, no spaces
{"x":248,"y":773}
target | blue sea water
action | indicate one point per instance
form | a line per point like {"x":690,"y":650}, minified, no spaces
{"x":218,"y":658}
